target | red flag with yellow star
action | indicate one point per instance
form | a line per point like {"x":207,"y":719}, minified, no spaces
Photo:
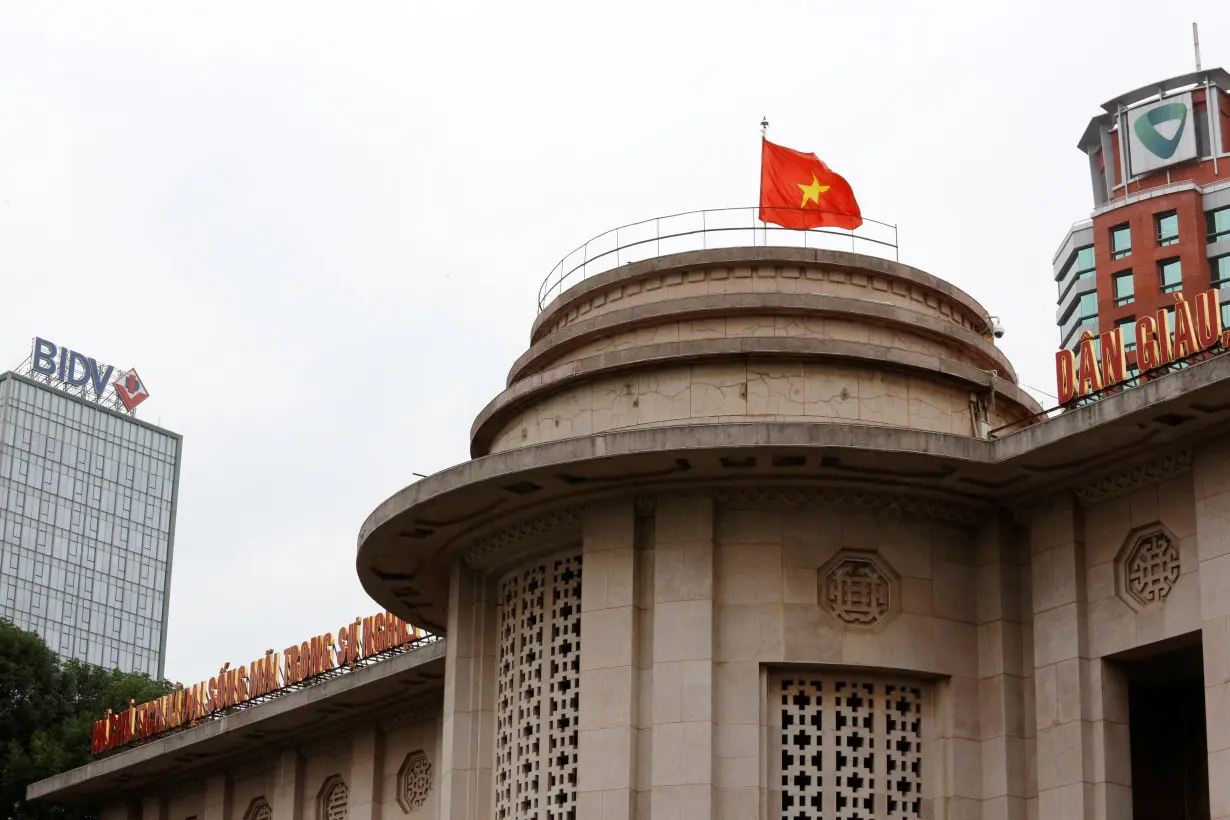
{"x":799,"y":191}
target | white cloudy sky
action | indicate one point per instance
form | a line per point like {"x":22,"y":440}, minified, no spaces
{"x":318,"y":228}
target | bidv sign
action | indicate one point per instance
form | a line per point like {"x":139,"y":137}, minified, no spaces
{"x":87,"y":375}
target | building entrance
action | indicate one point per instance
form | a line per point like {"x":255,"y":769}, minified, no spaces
{"x":1170,"y":776}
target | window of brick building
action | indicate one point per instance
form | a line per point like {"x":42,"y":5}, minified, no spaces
{"x":1167,"y":228}
{"x":1128,"y":326}
{"x":1170,"y":274}
{"x":1219,"y":270}
{"x":1218,"y":223}
{"x":1120,"y":241}
{"x":1125,"y":288}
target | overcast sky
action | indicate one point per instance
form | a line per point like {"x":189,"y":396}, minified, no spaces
{"x":318,"y":228}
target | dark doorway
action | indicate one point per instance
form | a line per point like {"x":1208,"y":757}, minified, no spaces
{"x":1170,"y":773}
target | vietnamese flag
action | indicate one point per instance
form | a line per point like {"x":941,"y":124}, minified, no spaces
{"x":799,"y":191}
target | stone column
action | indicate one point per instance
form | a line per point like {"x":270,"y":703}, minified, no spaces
{"x":218,"y":797}
{"x":467,"y":753}
{"x":154,"y":807}
{"x":1001,"y":672}
{"x":608,"y":705}
{"x":366,"y":773}
{"x":682,"y":766}
{"x":1084,"y":758}
{"x":645,"y":526}
{"x":1211,"y":482}
{"x":287,"y":779}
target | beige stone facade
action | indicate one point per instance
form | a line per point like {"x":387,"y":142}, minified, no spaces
{"x":769,"y":533}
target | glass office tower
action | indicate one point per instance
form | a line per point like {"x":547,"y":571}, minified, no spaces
{"x":87,"y":508}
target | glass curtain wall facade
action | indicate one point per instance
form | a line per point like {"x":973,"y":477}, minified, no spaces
{"x":87,"y":509}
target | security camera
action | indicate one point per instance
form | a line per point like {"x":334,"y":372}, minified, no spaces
{"x":997,"y":329}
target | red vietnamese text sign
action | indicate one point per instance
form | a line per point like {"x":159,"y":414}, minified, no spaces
{"x":1197,"y":327}
{"x":296,"y":664}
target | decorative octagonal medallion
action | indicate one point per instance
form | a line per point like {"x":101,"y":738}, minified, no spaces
{"x":858,"y":590}
{"x":1149,"y":566}
{"x":414,"y":781}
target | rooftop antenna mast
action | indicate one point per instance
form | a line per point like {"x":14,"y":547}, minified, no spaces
{"x":1196,"y":43}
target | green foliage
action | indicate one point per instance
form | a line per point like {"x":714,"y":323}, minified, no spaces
{"x":47,"y":709}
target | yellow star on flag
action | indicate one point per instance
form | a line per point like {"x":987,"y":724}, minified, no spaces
{"x":812,"y":191}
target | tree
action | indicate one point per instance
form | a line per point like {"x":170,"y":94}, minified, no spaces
{"x":47,"y":709}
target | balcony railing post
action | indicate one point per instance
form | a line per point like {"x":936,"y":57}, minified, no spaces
{"x":617,"y":247}
{"x":704,"y":237}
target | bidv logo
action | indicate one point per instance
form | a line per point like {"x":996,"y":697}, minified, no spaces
{"x":1151,"y":138}
{"x":78,"y":370}
{"x":131,"y":389}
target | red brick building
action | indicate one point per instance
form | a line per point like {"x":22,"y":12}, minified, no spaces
{"x":1161,"y":217}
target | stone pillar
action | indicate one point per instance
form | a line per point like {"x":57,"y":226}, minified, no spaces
{"x":682,"y":765}
{"x":645,"y":525}
{"x":1001,"y":672}
{"x":1083,"y":752}
{"x":218,"y":797}
{"x":467,"y":751}
{"x":154,"y":807}
{"x":287,"y":779}
{"x":1211,"y":482}
{"x":609,"y":679}
{"x":366,"y":773}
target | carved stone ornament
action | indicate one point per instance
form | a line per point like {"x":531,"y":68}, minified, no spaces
{"x":333,"y":800}
{"x":414,"y":781}
{"x":1149,"y":566}
{"x":258,"y":809}
{"x":858,"y":590}
{"x":1122,"y":481}
{"x":479,"y":555}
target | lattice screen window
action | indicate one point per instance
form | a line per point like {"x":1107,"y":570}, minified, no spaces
{"x":851,"y":748}
{"x":536,"y":692}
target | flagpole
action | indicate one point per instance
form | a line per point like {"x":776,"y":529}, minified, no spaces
{"x":764,"y":129}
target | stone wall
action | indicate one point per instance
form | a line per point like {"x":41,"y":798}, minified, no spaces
{"x":384,"y":769}
{"x":698,"y":608}
{"x":707,"y":338}
{"x":726,"y":391}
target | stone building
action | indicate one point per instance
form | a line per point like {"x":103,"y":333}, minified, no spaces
{"x":768,"y":532}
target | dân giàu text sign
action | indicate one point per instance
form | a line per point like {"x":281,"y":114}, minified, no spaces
{"x":1197,"y":327}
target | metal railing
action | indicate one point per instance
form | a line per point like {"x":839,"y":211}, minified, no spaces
{"x":338,"y":671}
{"x":703,"y":230}
{"x":1107,"y":392}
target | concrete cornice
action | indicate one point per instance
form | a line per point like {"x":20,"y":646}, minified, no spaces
{"x":407,"y":545}
{"x":811,"y":350}
{"x":750,"y":304}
